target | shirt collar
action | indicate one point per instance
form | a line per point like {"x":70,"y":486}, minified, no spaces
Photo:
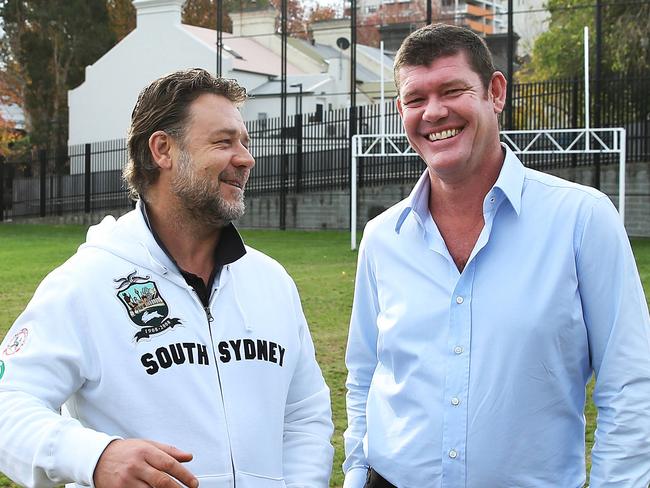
{"x":510,"y":182}
{"x":229,"y":248}
{"x":511,"y":179}
{"x":417,"y":202}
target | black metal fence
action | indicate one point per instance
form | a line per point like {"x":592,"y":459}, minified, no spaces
{"x":317,"y":156}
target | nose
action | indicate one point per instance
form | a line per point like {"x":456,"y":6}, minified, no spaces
{"x":435,"y":110}
{"x":244,"y":157}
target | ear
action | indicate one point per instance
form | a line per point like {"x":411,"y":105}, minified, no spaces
{"x":398,"y":102}
{"x":497,"y":91}
{"x":160,"y":145}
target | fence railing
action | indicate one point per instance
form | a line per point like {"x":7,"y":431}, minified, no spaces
{"x":88,"y":177}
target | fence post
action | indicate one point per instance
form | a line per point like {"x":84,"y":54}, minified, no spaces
{"x":575,"y":103}
{"x":352,"y":133}
{"x":2,"y":187}
{"x":299,"y":151}
{"x":42,"y":159}
{"x":87,"y":179}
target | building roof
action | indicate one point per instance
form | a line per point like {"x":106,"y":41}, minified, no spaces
{"x":375,"y":54}
{"x":310,"y":84}
{"x":248,"y":55}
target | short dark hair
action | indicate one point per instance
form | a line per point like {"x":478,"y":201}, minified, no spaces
{"x":164,"y":105}
{"x":434,"y":41}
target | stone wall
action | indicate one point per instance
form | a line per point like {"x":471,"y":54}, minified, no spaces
{"x":331,"y":209}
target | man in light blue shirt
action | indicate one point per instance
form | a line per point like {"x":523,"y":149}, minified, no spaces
{"x":485,"y":301}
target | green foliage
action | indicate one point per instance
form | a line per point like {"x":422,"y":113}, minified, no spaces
{"x":558,"y":52}
{"x":49,"y":43}
{"x":321,"y":263}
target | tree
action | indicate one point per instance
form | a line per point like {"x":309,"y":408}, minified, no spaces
{"x":297,"y":25}
{"x":122,"y":17}
{"x":389,"y":13}
{"x":558,"y":52}
{"x":47,"y":45}
{"x":320,"y":13}
{"x":11,"y":139}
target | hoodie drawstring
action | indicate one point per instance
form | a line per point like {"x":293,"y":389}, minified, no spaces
{"x":238,"y":304}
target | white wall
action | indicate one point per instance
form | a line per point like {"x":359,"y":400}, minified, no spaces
{"x":100,"y":108}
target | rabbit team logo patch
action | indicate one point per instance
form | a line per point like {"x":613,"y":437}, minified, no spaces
{"x":16,"y":343}
{"x":146,"y":307}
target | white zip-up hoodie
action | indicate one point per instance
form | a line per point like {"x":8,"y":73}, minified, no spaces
{"x":119,"y":337}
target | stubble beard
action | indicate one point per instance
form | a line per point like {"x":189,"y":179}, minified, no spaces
{"x":201,"y":199}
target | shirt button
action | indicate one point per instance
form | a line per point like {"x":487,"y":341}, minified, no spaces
{"x":455,"y":401}
{"x":453,"y":454}
{"x":459,"y":300}
{"x":458,"y":350}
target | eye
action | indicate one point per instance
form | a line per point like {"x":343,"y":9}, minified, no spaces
{"x":454,"y":91}
{"x":413,"y":102}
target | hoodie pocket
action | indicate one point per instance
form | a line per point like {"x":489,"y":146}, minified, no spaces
{"x":215,"y":481}
{"x":250,"y":480}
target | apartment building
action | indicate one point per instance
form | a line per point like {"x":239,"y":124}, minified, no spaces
{"x":482,"y":16}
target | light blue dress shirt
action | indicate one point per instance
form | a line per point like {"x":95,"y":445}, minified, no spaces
{"x":477,"y":379}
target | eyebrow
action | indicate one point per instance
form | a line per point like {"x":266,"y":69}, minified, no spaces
{"x":231,"y":132}
{"x":443,"y":86}
{"x":455,"y":82}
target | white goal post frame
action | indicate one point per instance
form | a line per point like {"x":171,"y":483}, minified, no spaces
{"x":573,"y":141}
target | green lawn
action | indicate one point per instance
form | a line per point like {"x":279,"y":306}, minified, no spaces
{"x":320,"y":262}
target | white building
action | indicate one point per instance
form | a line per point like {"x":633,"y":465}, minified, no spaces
{"x":100,"y":108}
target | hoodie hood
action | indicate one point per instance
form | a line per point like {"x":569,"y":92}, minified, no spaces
{"x":129,"y":238}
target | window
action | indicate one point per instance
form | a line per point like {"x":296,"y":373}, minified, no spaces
{"x":263,"y":120}
{"x":318,"y":116}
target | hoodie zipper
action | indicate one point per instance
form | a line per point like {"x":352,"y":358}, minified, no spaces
{"x":210,"y":319}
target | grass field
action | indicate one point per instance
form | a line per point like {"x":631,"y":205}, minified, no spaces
{"x":320,"y":262}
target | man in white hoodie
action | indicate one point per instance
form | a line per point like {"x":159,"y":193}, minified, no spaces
{"x":179,"y":354}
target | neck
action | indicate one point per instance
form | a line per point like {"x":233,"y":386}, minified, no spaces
{"x":190,"y":243}
{"x":463,"y":198}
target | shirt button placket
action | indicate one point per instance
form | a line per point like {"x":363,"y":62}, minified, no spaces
{"x":456,"y":382}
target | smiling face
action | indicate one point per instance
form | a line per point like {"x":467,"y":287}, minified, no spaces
{"x":450,"y":119}
{"x":213,"y":163}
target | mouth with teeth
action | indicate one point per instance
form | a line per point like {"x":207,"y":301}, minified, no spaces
{"x":445,"y":134}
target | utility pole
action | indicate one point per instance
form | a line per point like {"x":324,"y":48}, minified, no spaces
{"x":511,"y":67}
{"x":597,"y":84}
{"x":284,"y":158}
{"x":219,"y":37}
{"x":353,"y":89}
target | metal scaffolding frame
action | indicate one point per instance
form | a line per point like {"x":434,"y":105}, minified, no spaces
{"x":545,"y":141}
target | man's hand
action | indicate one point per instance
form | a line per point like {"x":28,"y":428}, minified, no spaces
{"x":136,"y":463}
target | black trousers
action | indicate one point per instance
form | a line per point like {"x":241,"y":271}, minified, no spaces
{"x":375,"y":480}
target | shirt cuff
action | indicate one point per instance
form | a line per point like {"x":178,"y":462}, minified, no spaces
{"x":355,"y":477}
